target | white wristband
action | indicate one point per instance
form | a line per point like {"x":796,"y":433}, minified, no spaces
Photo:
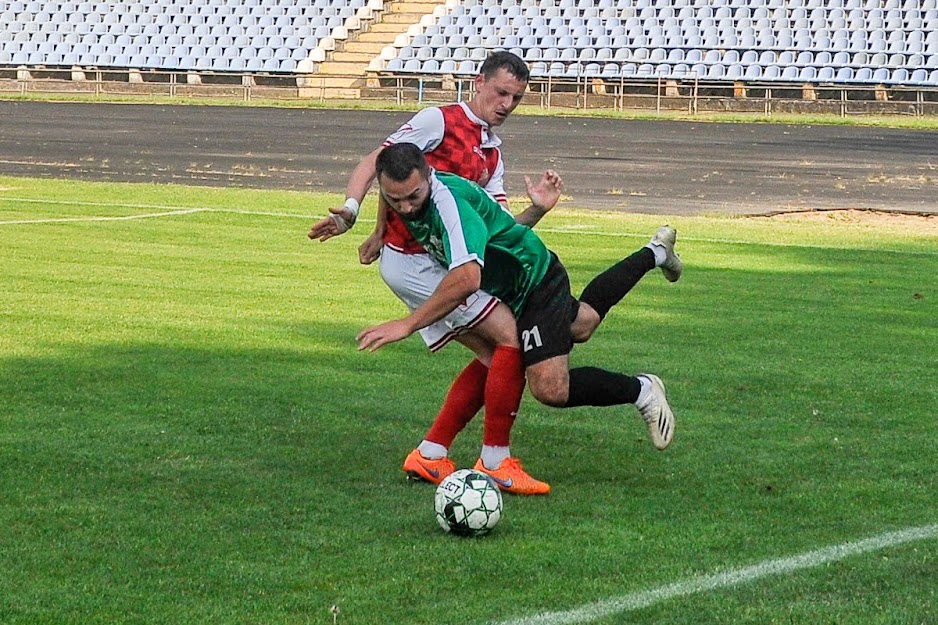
{"x":353,"y":206}
{"x":341,"y":225}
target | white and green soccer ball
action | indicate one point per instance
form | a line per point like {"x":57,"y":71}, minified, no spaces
{"x":468,"y":503}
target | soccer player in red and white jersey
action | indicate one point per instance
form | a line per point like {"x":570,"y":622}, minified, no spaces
{"x":457,"y":138}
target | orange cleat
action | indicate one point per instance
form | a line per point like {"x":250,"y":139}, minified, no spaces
{"x":511,"y":478}
{"x":434,"y":471}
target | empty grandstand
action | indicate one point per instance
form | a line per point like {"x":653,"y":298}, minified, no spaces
{"x":881,"y":47}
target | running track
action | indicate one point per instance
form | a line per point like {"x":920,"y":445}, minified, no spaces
{"x":637,"y":166}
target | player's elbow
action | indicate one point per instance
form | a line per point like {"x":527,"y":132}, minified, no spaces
{"x":469,"y":278}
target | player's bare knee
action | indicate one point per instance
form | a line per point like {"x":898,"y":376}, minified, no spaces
{"x":586,"y":322}
{"x":549,"y":387}
{"x":550,"y":395}
{"x":581,"y":334}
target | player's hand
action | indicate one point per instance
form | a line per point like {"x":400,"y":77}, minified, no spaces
{"x":339,"y":221}
{"x":376,"y":337}
{"x":546,"y":193}
{"x":370,"y":250}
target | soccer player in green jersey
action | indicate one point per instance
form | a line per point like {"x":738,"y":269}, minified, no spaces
{"x":483,"y":247}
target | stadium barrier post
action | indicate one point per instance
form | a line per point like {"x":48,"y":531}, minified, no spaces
{"x":696,"y":93}
{"x":579,"y":72}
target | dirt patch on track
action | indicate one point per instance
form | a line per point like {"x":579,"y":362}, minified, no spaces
{"x":920,"y":223}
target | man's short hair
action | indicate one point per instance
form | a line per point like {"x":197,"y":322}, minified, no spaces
{"x":508,"y":61}
{"x":399,"y":160}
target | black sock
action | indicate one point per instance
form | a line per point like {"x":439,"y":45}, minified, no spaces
{"x":592,"y":386}
{"x":608,"y":288}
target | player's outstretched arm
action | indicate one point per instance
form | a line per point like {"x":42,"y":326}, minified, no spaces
{"x":370,"y":250}
{"x":342,"y":218}
{"x":452,"y":291}
{"x":544,"y":196}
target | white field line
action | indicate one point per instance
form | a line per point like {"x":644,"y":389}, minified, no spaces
{"x":164,"y":211}
{"x":169,"y":211}
{"x":646,"y":598}
{"x":60,"y":220}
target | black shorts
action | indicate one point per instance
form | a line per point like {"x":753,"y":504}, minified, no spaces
{"x":544,"y":326}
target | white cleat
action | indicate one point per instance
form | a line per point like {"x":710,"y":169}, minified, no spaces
{"x":672,"y":267}
{"x":657,"y":413}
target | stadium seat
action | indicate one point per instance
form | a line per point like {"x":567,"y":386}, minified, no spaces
{"x":899,"y":76}
{"x":808,"y":74}
{"x":829,"y":36}
{"x":771,"y":72}
{"x":538,"y":69}
{"x":826,"y":74}
{"x":863,"y":75}
{"x":716,"y":72}
{"x":790,"y":73}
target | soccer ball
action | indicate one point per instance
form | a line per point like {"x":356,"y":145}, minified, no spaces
{"x":468,"y":503}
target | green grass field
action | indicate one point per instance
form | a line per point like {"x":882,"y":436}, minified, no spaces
{"x":188,"y":435}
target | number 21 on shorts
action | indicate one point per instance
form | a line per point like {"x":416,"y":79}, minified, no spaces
{"x":531,"y":339}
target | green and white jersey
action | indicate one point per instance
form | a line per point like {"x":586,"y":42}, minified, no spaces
{"x":464,"y":224}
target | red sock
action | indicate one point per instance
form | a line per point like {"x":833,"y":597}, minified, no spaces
{"x":503,"y":391}
{"x":466,"y":396}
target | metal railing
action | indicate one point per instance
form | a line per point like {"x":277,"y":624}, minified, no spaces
{"x":688,"y":93}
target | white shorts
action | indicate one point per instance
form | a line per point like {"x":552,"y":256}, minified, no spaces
{"x":414,"y":277}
